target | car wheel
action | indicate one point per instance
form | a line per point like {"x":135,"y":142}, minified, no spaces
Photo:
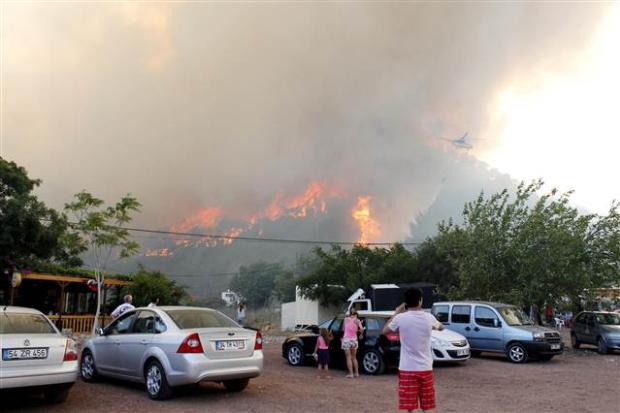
{"x":88,"y":370}
{"x":517,"y":353}
{"x":295,"y":355}
{"x":236,"y":385}
{"x":56,"y":395}
{"x":372,"y":362}
{"x":574,"y":342}
{"x":602,"y":346}
{"x":157,"y":385}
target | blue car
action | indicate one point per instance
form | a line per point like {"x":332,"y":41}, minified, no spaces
{"x":499,"y":328}
{"x":599,"y":328}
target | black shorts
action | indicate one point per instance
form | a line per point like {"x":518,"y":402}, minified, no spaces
{"x":323,"y":357}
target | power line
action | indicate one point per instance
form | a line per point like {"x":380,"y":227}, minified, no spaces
{"x":260,"y":239}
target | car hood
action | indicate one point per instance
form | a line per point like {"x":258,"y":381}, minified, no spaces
{"x":447,"y":335}
{"x":535,"y":329}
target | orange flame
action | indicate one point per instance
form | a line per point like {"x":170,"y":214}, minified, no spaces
{"x":204,"y":218}
{"x":312,"y":200}
{"x":369,"y":227}
{"x":162,"y":252}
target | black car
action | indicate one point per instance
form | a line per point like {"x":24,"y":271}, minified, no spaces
{"x":596,"y":327}
{"x":376,"y":351}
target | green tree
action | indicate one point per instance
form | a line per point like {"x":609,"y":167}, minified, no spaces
{"x":100,"y":229}
{"x":256,"y":282}
{"x":148,"y":286}
{"x":526,"y":249}
{"x":30,"y":231}
{"x":340,"y":271}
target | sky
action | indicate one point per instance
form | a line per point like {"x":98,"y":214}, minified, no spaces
{"x":209,"y":104}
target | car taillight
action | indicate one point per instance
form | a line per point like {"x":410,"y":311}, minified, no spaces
{"x":70,"y":351}
{"x":259,"y":341}
{"x":191,"y":344}
{"x":393,"y":337}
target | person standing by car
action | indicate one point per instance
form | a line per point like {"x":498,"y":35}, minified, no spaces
{"x":126,"y":306}
{"x":322,"y":351}
{"x":352,"y":326}
{"x":241,"y":314}
{"x":415,"y":378}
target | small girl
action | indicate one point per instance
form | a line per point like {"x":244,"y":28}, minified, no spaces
{"x":322,"y":351}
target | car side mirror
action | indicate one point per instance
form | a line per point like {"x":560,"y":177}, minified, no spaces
{"x":497,"y":323}
{"x":100,"y":331}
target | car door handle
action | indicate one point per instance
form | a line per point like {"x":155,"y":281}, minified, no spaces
{"x":144,"y":341}
{"x":467,"y":329}
{"x":117,"y":342}
{"x":476,"y":329}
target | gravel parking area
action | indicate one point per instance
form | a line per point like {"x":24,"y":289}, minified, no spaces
{"x":577,"y":381}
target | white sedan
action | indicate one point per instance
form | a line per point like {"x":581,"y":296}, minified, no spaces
{"x":35,"y":355}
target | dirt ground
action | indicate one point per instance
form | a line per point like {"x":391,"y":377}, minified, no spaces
{"x":577,"y":381}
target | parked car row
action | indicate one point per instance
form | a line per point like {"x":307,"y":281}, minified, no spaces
{"x":166,"y":347}
{"x":472,"y":327}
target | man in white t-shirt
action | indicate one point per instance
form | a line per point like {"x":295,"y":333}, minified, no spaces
{"x":126,"y":306}
{"x":415,"y":378}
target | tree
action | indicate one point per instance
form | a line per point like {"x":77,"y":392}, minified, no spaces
{"x":30,"y":231}
{"x":148,"y":286}
{"x":526,"y":249}
{"x":340,"y":272}
{"x":256,"y":282}
{"x":100,"y":229}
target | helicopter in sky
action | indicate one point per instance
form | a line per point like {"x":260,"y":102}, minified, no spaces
{"x":461,"y":143}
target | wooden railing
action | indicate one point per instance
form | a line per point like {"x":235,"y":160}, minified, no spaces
{"x":78,"y":323}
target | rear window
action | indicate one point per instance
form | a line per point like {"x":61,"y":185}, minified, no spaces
{"x":11,"y":323}
{"x":186,"y":319}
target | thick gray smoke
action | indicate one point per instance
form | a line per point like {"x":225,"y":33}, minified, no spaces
{"x":195,"y":105}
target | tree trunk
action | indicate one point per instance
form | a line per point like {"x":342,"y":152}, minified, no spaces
{"x":99,"y":278}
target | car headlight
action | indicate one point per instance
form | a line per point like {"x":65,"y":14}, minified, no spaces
{"x":538,"y":336}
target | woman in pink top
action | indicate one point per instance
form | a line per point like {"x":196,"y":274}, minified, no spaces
{"x":352,"y":325}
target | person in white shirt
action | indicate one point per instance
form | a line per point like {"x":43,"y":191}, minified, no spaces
{"x":126,"y":306}
{"x":415,"y":378}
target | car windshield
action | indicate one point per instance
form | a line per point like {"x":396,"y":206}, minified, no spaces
{"x":608,"y":319}
{"x":513,"y":316}
{"x":11,"y":323}
{"x":185,"y":319}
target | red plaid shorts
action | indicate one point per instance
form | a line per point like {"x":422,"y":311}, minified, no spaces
{"x":416,"y":390}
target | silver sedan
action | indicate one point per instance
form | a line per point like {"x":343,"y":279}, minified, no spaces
{"x":35,"y":356}
{"x":170,"y":346}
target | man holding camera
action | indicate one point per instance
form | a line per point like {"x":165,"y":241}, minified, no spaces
{"x":415,"y":378}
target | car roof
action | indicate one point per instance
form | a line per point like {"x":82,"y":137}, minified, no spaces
{"x":15,"y":310}
{"x":175,"y":307}
{"x":473,"y":302}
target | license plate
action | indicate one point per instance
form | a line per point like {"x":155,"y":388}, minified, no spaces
{"x":555,"y":347}
{"x":462,"y":352}
{"x":24,"y":353}
{"x":229,"y":345}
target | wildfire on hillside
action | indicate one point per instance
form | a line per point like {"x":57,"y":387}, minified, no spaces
{"x":369,"y":227}
{"x":160,"y":252}
{"x":312,"y":201}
